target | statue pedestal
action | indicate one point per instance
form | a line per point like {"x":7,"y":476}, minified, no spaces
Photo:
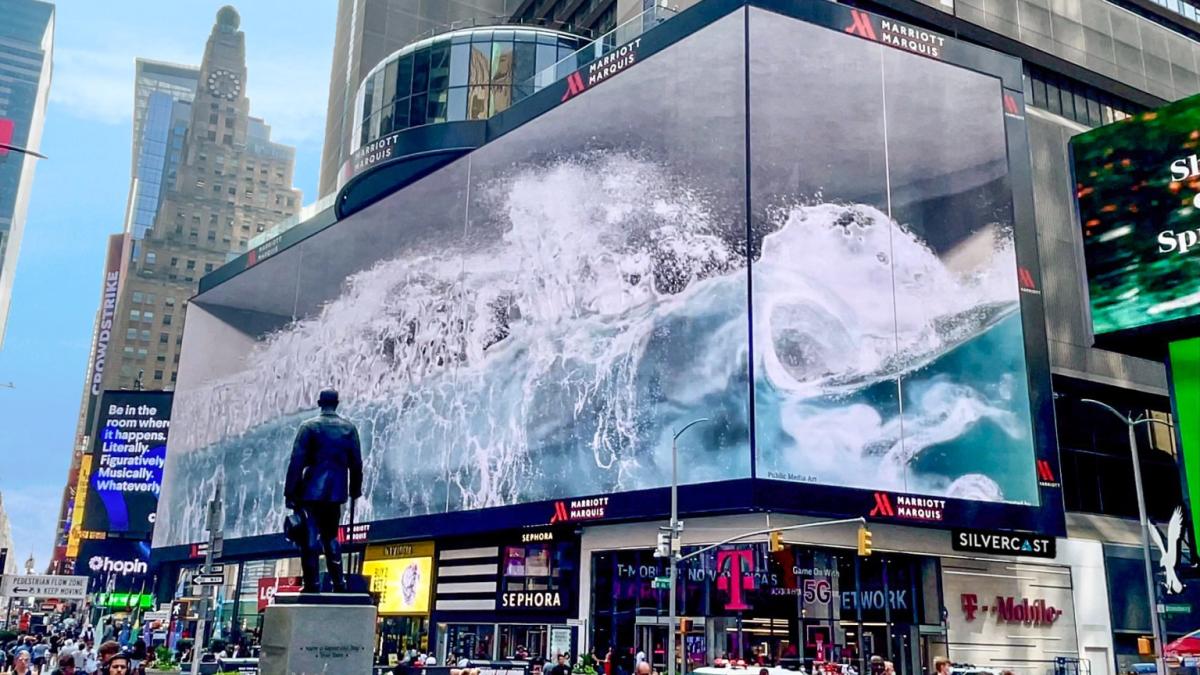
{"x":318,"y":633}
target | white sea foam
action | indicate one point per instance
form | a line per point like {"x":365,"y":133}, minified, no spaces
{"x":593,"y":306}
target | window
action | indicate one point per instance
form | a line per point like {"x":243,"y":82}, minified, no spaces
{"x":131,"y":334}
{"x":166,"y":319}
{"x":191,"y":264}
{"x":147,"y":316}
{"x":170,"y":302}
{"x":129,"y":352}
{"x":173,"y":376}
{"x":138,"y":296}
{"x":1097,"y":468}
{"x":158,"y":374}
{"x":150,"y":298}
{"x":151,"y":257}
{"x":162,"y":338}
{"x":208,"y":267}
{"x":145,"y":335}
{"x":1076,"y":101}
{"x":141,"y":354}
{"x":174,"y":262}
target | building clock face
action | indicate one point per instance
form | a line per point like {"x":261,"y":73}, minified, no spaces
{"x":224,"y":84}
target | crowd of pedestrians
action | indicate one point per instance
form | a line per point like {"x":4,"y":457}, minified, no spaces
{"x":71,"y":652}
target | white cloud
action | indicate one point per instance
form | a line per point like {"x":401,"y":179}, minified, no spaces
{"x":94,"y":85}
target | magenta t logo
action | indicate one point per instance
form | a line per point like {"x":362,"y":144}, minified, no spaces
{"x":740,"y":577}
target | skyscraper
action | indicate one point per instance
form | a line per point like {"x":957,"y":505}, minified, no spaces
{"x":369,"y":30}
{"x":27,"y":43}
{"x":206,"y":177}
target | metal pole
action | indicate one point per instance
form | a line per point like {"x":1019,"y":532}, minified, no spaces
{"x":675,"y":531}
{"x":674,"y":555}
{"x":1151,"y":588}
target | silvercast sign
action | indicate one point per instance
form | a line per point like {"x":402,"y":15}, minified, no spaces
{"x":1004,"y":543}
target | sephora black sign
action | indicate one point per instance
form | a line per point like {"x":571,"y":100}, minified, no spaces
{"x":1005,"y":543}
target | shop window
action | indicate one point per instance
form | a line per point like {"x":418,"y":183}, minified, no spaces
{"x":797,"y":608}
{"x":464,"y":640}
{"x":524,"y":642}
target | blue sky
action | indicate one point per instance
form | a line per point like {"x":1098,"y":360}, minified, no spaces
{"x":79,"y":196}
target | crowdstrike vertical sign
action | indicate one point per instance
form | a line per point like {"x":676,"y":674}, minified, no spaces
{"x":108,"y":309}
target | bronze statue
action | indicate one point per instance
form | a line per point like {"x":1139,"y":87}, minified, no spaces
{"x":325,"y":471}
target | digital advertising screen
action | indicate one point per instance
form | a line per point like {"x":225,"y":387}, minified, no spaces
{"x":1137,"y":184}
{"x":534,"y":320}
{"x":129,"y":452}
{"x":1184,"y":365}
{"x":403,"y":584}
{"x":115,"y":565}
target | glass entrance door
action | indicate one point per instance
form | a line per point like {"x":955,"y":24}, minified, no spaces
{"x":651,"y":640}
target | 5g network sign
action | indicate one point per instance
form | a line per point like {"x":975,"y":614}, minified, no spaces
{"x":1137,"y":184}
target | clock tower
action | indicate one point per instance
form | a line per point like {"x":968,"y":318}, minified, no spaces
{"x":232,"y":182}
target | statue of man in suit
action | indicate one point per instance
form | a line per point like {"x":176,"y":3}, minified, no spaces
{"x":325,"y":471}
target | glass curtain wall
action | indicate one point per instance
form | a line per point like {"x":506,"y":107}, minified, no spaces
{"x":463,"y":75}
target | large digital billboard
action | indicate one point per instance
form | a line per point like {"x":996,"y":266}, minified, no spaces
{"x":129,"y":451}
{"x":830,"y":271}
{"x":1138,"y":189}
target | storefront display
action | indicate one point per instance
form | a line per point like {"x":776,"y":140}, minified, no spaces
{"x":798,"y":607}
{"x":1009,"y":615}
{"x":511,"y":601}
{"x":402,"y":576}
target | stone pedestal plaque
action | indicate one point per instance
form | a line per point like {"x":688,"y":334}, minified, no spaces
{"x":319,"y":633}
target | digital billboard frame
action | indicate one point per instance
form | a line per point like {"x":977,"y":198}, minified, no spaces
{"x":1137,"y":187}
{"x":740,"y":494}
{"x":129,"y":447}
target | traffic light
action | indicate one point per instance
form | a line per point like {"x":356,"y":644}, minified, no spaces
{"x":663,"y":548}
{"x":685,"y":625}
{"x":1145,"y":646}
{"x":864,"y":541}
{"x":776,"y":541}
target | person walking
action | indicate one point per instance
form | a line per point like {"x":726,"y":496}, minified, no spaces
{"x":66,"y":665}
{"x":39,"y":651}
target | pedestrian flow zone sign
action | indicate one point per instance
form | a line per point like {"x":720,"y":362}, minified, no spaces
{"x":44,"y":586}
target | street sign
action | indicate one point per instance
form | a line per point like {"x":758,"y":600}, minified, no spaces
{"x":45,"y":586}
{"x":1174,"y":608}
{"x":208,"y":579}
{"x":156,"y":616}
{"x":662,"y":582}
{"x":216,"y":568}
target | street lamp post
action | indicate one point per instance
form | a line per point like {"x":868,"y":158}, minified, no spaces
{"x":1151,"y":590}
{"x":675,"y":530}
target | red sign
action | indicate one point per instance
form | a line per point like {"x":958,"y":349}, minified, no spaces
{"x":575,"y":510}
{"x":1008,"y":609}
{"x":908,"y":507}
{"x":269,"y":586}
{"x":6,"y":134}
{"x":740,"y":576}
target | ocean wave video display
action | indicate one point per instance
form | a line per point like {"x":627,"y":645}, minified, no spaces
{"x":543,"y":314}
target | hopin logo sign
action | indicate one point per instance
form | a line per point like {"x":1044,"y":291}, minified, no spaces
{"x":103,"y":563}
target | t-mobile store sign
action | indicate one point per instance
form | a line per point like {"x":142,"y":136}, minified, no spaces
{"x":988,"y":602}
